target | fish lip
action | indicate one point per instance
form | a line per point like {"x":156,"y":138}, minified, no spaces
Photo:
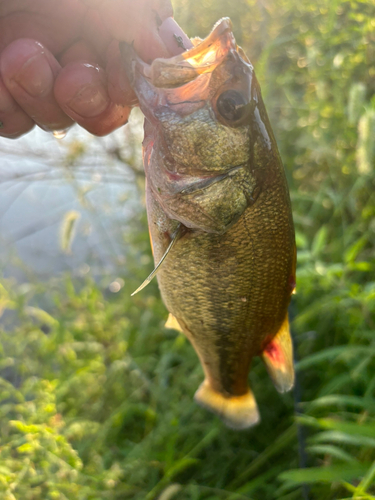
{"x":222,"y":26}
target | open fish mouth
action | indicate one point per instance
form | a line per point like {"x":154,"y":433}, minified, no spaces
{"x":204,"y":57}
{"x":179,"y":75}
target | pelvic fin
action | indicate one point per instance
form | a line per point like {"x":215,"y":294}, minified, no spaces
{"x":172,"y":323}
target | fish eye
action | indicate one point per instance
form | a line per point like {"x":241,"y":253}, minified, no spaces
{"x":232,"y":105}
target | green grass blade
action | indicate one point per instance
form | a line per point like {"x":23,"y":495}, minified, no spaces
{"x":324,"y":474}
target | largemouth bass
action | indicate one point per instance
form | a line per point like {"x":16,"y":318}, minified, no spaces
{"x":219,"y":216}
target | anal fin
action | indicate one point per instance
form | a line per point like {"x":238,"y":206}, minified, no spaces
{"x":278,"y":358}
{"x":237,"y":412}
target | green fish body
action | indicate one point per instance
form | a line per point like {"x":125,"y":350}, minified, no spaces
{"x":216,"y":190}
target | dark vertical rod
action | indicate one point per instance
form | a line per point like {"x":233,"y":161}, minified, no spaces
{"x":297,"y":397}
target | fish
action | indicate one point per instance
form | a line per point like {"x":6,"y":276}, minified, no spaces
{"x":219,"y":217}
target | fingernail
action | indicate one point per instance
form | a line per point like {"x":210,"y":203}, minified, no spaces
{"x":35,"y":76}
{"x":89,"y":101}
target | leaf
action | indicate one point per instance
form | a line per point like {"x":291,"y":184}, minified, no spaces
{"x":180,"y":466}
{"x":365,"y":148}
{"x":366,"y":481}
{"x":357,"y":95}
{"x":366,"y":497}
{"x":352,"y":252}
{"x":329,"y":474}
{"x":68,"y":230}
{"x":170,"y":491}
{"x":319,"y":241}
{"x":5,"y":301}
{"x":22,"y":427}
{"x":26,"y":448}
{"x":335,"y":383}
{"x":333,"y":451}
{"x":350,"y":428}
{"x":333,"y":353}
{"x":41,"y":315}
{"x":301,"y":240}
{"x":360,"y":266}
{"x":282,"y":442}
{"x":342,"y":400}
{"x":187,"y":461}
{"x":342,"y":438}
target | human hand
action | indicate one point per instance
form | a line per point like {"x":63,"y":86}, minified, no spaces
{"x":60,"y":61}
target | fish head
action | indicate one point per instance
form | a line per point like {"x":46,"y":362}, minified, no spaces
{"x":206,"y":131}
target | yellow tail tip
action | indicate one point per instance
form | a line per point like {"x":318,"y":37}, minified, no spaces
{"x":237,"y":412}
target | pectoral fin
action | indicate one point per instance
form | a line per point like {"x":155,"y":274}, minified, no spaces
{"x":278,"y":357}
{"x":175,"y":237}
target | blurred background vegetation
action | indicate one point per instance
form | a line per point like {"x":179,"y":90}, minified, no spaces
{"x":96,"y":395}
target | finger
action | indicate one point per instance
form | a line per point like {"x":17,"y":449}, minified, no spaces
{"x":80,"y":51}
{"x":174,"y":38}
{"x":162,"y":7}
{"x":94,"y":32}
{"x":28,"y":71}
{"x":119,"y":88}
{"x":14,"y":122}
{"x":130,"y":21}
{"x":81,"y":91}
{"x":55,"y":24}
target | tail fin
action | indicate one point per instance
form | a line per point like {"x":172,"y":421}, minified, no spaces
{"x":237,"y":412}
{"x":278,"y":357}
